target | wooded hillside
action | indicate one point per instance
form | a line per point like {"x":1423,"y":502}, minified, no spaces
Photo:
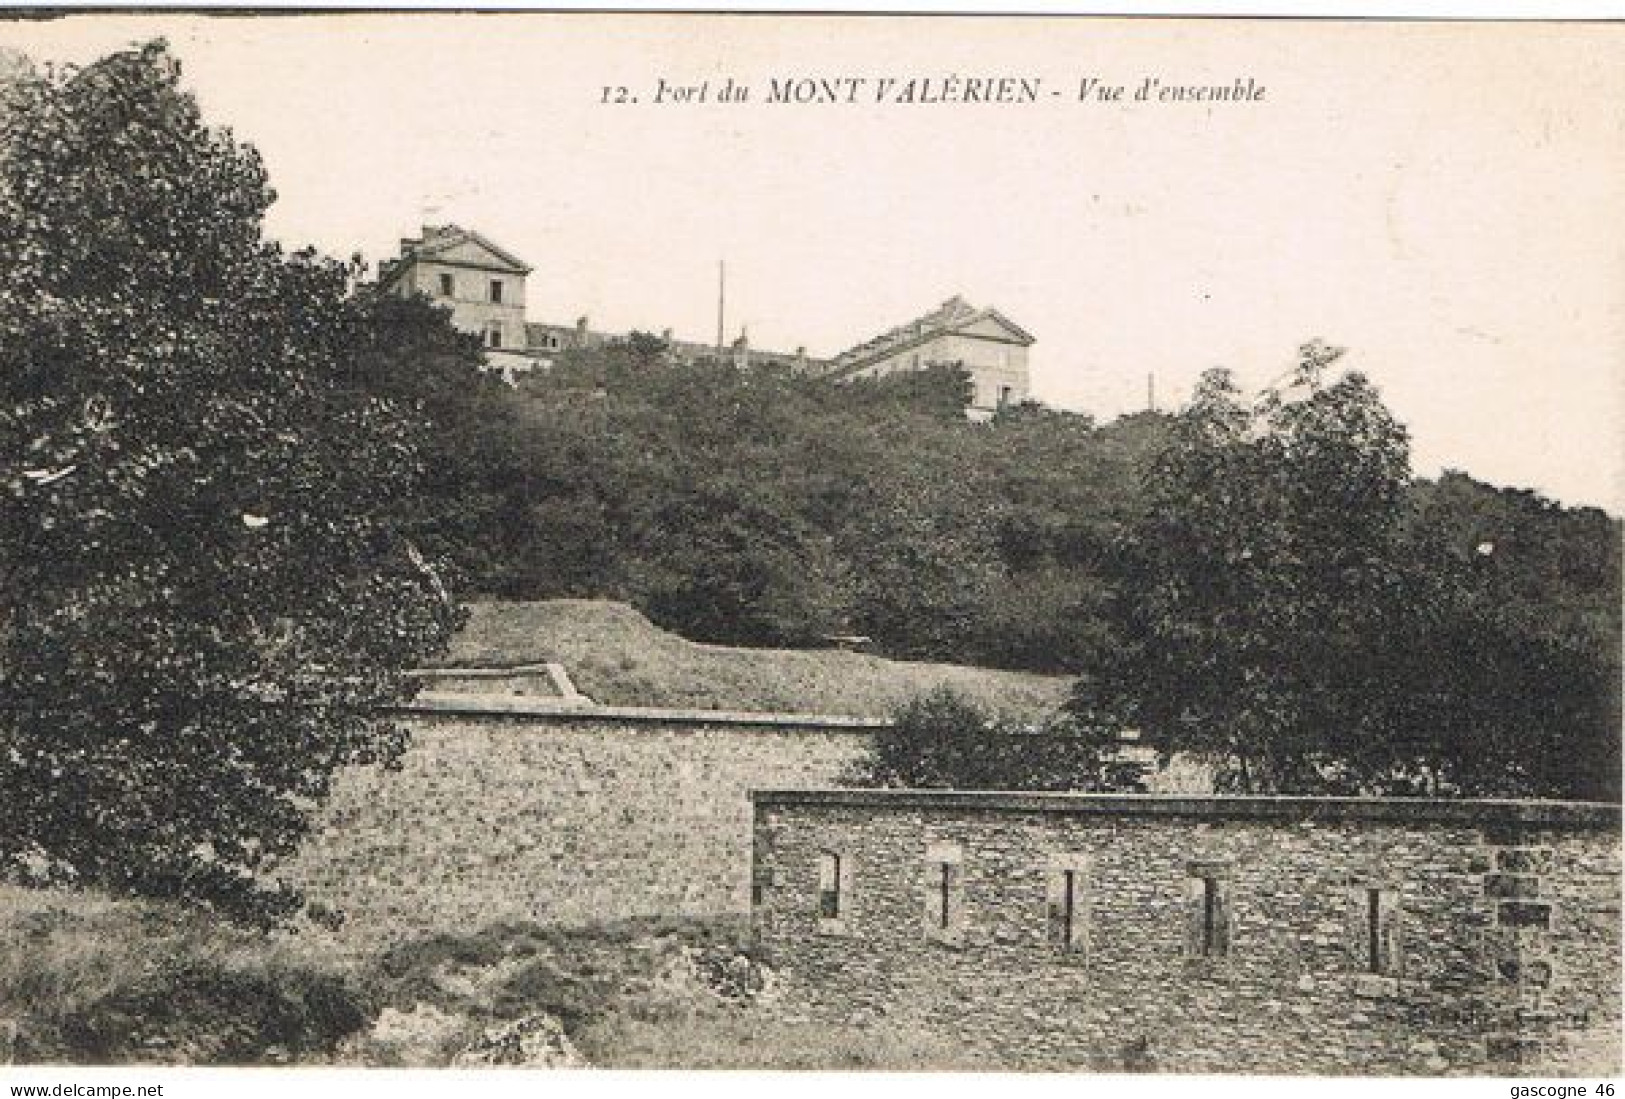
{"x":765,"y":509}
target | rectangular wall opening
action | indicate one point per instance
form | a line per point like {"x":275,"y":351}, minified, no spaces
{"x":1374,"y":929}
{"x":829,"y":886}
{"x":1207,"y":929}
{"x":943,"y":887}
{"x":1069,"y":904}
{"x":1210,"y":914}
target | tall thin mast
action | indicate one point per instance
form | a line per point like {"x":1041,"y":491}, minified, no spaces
{"x":722,"y":297}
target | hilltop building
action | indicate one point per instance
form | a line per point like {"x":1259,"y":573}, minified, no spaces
{"x":984,"y":342}
{"x":482,"y":283}
{"x":484,"y":286}
{"x":546,"y":339}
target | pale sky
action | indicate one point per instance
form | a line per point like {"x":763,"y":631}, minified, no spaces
{"x":1445,"y":200}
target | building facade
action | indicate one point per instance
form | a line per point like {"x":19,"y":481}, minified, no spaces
{"x":984,"y":342}
{"x":481,"y":283}
{"x":1203,"y":934}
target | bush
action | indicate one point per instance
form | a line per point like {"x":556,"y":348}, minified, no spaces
{"x":203,"y":1013}
{"x":575,"y":998}
{"x":941,"y":739}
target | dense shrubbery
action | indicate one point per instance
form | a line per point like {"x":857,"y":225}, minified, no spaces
{"x":940,"y":739}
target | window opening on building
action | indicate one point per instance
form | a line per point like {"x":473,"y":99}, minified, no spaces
{"x":942,"y":893}
{"x":1068,"y":904}
{"x":448,"y":286}
{"x":1210,"y":913}
{"x":1208,"y":930}
{"x":1374,"y":929}
{"x":1069,"y":894}
{"x":829,"y":886}
{"x":496,"y":291}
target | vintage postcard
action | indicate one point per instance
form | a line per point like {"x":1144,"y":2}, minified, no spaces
{"x":975,"y":543}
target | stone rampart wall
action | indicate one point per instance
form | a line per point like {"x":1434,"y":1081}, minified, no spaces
{"x":517,"y":809}
{"x":1204,"y":934}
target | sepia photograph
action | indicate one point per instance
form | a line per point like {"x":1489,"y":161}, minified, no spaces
{"x":953,"y":543}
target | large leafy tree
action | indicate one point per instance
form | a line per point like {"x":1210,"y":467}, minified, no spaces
{"x":206,"y":604}
{"x":461,"y":510}
{"x":1249,"y":586}
{"x":1511,"y":652}
{"x":1281,"y":611}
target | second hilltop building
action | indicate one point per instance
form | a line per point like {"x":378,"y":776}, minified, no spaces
{"x":984,"y":342}
{"x":483,"y":285}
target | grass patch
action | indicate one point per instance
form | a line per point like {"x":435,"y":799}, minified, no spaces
{"x":87,"y":980}
{"x":627,"y":1003}
{"x":617,"y":657}
{"x":746,"y":1038}
{"x":199,"y":1013}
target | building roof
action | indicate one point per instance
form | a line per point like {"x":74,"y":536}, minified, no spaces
{"x":437,"y":240}
{"x":953,"y":315}
{"x":567,"y":335}
{"x":579,"y":336}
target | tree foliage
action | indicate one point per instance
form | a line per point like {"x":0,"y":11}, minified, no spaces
{"x":941,"y":739}
{"x":208,"y":602}
{"x":1522,"y":664}
{"x":770,"y":508}
{"x":460,"y":508}
{"x":1260,"y":582}
{"x":1282,"y":611}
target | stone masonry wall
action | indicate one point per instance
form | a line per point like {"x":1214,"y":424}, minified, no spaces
{"x":1338,"y":936}
{"x":565,"y":817}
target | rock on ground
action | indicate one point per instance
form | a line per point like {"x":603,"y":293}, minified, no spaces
{"x":421,"y":1037}
{"x":535,"y":1041}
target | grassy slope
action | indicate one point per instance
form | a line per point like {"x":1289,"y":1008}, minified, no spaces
{"x":618,"y":657}
{"x":88,"y":979}
{"x":85,"y":979}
